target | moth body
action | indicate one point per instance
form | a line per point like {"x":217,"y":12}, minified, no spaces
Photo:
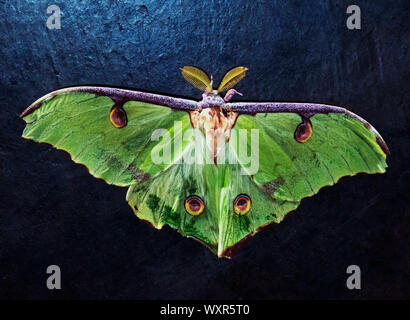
{"x":216,"y":124}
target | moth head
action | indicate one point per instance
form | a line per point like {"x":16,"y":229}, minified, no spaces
{"x":200,"y":80}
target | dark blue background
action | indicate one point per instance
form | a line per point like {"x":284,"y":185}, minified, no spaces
{"x":53,"y":212}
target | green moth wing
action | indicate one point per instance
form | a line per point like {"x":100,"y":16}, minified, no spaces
{"x":340,"y":145}
{"x":218,"y":227}
{"x":79,"y":123}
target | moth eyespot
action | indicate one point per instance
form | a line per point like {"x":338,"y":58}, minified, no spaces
{"x":303,"y":131}
{"x":194,"y":205}
{"x":118,"y":116}
{"x":242,"y":204}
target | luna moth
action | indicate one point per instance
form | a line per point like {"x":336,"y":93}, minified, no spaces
{"x":301,"y":147}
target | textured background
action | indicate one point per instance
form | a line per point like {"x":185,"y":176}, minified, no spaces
{"x":53,"y":212}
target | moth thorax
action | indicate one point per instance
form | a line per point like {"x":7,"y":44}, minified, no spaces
{"x":216,"y":124}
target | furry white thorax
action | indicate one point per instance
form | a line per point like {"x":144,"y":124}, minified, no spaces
{"x":216,"y":124}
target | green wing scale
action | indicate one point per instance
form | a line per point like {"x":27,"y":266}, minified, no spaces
{"x":301,"y":148}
